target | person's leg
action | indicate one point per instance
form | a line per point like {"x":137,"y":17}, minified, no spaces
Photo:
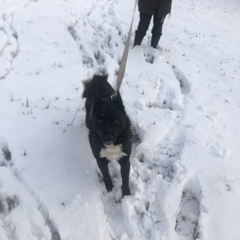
{"x":156,"y":30}
{"x":142,"y":28}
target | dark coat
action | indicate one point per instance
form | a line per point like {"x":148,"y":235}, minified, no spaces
{"x":152,"y":7}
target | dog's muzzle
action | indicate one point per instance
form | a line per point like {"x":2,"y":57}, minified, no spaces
{"x":108,"y":140}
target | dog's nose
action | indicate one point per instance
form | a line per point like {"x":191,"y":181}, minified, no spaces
{"x":108,"y":140}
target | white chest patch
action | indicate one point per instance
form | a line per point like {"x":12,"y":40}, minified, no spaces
{"x":112,"y":152}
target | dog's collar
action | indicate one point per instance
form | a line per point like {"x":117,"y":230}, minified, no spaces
{"x":109,"y":99}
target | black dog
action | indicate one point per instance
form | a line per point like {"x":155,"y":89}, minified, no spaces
{"x":109,"y":129}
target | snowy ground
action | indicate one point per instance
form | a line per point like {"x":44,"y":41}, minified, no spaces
{"x":183,"y":101}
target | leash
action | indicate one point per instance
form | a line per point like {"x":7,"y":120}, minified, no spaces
{"x":124,"y":58}
{"x":122,"y":68}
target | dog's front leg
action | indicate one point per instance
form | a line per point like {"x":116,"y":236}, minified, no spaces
{"x":125,"y":169}
{"x":103,"y":165}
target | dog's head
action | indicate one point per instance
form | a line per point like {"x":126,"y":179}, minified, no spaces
{"x":109,"y":122}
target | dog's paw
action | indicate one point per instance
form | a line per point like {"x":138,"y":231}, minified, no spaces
{"x":126,"y":191}
{"x":108,"y":184}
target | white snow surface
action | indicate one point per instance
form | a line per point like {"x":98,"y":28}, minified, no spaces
{"x":183,"y":101}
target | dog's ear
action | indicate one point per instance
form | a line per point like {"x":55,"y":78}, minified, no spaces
{"x":93,"y":86}
{"x":86,"y":85}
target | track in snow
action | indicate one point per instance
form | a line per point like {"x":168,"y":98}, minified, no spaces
{"x":12,"y":199}
{"x":9,"y":45}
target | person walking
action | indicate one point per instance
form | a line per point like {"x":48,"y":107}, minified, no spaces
{"x":148,"y":8}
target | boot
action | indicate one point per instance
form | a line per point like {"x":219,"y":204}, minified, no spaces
{"x":137,"y":40}
{"x":155,"y":41}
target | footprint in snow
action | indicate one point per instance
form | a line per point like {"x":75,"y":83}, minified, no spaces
{"x":150,"y":55}
{"x":6,"y":154}
{"x":184,"y":83}
{"x":8,"y":203}
{"x":187,"y":222}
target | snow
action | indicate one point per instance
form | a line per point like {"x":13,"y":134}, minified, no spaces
{"x":183,"y":102}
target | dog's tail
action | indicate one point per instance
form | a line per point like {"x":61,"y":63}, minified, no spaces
{"x":98,"y":85}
